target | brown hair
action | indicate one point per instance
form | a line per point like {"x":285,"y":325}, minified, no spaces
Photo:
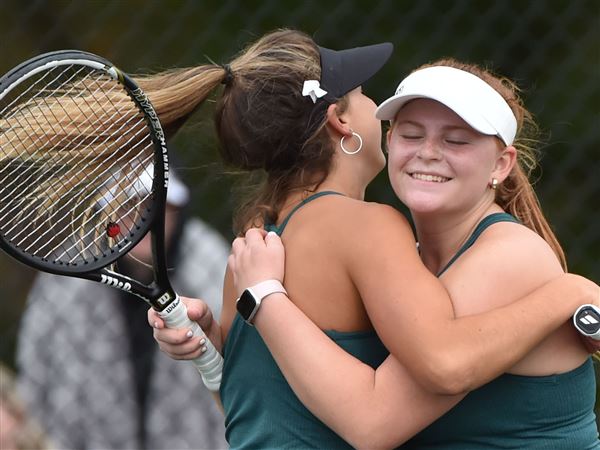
{"x":516,"y":194}
{"x":262,"y":120}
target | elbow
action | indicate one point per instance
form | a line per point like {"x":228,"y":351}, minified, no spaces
{"x":374,"y":438}
{"x":447,"y":374}
{"x":376,"y":431}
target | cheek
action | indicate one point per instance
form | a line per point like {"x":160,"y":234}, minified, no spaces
{"x":474,"y":170}
{"x":395,"y":166}
{"x":397,"y":156}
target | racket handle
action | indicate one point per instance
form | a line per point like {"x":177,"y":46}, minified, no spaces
{"x":210,"y":363}
{"x":587,"y":321}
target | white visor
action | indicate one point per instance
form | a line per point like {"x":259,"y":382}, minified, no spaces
{"x":475,"y":101}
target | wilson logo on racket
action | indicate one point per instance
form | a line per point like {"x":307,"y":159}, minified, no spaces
{"x":171,"y":307}
{"x":163,"y":299}
{"x":114,"y":282}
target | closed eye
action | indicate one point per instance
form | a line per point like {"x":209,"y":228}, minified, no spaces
{"x":411,"y":137}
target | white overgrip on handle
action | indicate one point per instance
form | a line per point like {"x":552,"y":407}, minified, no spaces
{"x":210,"y":363}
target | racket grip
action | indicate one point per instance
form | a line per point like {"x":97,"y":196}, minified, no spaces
{"x":587,"y":321}
{"x":210,"y":363}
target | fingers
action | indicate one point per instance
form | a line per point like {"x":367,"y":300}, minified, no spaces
{"x":238,"y":245}
{"x":180,"y":343}
{"x":154,"y":319}
{"x":256,"y":257}
{"x":591,"y":345}
{"x":272,"y":240}
{"x":253,"y":236}
{"x":199,"y":312}
{"x":196,"y":308}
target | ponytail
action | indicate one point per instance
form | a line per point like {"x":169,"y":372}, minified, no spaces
{"x":175,"y":94}
{"x":516,"y":196}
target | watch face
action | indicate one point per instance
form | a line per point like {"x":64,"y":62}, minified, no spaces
{"x":246,"y":305}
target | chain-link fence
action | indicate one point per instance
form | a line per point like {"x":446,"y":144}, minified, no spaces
{"x":552,"y":49}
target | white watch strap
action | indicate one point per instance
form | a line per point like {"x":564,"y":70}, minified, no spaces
{"x":267,"y":287}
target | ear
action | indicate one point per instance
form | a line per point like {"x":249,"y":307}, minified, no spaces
{"x":504,"y":163}
{"x":388,"y":138}
{"x":336,"y":123}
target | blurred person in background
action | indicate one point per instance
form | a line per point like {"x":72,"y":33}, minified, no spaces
{"x":89,"y":369}
{"x":18,"y":431}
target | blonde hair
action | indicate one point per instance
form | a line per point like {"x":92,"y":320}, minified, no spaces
{"x":262,"y":121}
{"x":516,"y":194}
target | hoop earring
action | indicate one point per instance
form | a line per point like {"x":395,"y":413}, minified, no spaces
{"x":494,"y":184}
{"x":360,"y":144}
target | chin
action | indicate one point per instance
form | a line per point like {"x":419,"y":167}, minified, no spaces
{"x":422,"y":203}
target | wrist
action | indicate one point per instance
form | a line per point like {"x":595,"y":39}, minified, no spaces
{"x":249,"y":302}
{"x":272,"y":307}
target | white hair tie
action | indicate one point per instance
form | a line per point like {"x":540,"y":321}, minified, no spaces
{"x":312,"y":89}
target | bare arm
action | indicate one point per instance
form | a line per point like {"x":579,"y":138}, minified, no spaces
{"x":446,"y":355}
{"x":349,"y":396}
{"x":449,"y":355}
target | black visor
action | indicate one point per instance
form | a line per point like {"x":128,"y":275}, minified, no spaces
{"x":344,"y":70}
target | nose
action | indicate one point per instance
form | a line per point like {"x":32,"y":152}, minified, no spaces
{"x":429,"y":150}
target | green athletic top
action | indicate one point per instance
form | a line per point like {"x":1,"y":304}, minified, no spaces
{"x":261,"y":410}
{"x":554,"y":412}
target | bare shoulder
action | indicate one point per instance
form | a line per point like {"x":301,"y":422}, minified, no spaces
{"x":337,"y":220}
{"x":506,"y":262}
{"x":515,"y":245}
{"x":368,"y":215}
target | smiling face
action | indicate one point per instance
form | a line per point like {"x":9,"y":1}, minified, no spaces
{"x":437,"y":163}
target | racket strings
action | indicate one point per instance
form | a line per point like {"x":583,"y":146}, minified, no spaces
{"x":71,"y":157}
{"x":76,"y":174}
{"x":28,"y":160}
{"x":53,"y":188}
{"x":26,"y":110}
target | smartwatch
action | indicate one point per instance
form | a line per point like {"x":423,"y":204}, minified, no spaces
{"x":249,"y":302}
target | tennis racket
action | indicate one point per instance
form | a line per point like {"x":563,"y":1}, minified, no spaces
{"x":587,"y":320}
{"x":84,"y":171}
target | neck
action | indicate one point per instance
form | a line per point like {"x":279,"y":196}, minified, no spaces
{"x":441,"y":235}
{"x":334,"y":182}
{"x":345,"y":182}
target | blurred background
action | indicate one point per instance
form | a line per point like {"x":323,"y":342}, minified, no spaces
{"x":551,"y":48}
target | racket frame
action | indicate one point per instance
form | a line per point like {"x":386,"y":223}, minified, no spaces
{"x":159,"y":294}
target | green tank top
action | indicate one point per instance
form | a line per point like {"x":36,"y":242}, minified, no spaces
{"x":553,"y":412}
{"x":261,"y":410}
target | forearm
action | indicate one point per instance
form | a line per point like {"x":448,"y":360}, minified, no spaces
{"x":347,"y":395}
{"x":470,"y":351}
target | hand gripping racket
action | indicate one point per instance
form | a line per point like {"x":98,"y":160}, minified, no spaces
{"x":84,"y":171}
{"x":587,"y":320}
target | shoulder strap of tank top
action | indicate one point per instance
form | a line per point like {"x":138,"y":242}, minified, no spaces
{"x":279,"y":229}
{"x":480,"y":228}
